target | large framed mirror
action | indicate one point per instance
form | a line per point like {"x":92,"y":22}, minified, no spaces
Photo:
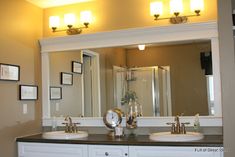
{"x":177,"y":73}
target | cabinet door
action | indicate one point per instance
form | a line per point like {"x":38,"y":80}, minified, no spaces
{"x":107,"y":151}
{"x":149,"y":151}
{"x":51,"y":150}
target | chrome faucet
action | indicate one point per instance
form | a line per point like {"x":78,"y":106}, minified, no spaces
{"x":69,"y":119}
{"x":177,"y":127}
{"x":70,"y":127}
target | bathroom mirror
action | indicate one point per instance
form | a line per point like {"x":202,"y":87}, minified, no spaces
{"x":167,"y":79}
{"x":123,"y":69}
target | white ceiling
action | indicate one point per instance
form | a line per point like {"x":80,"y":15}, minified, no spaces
{"x":54,"y":3}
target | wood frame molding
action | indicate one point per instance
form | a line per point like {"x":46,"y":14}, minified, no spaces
{"x":158,"y":34}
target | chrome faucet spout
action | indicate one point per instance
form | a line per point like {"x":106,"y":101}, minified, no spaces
{"x":69,"y":124}
{"x":70,"y":127}
{"x":177,"y":127}
{"x":69,"y":119}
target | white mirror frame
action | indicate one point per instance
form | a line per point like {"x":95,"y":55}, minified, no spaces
{"x":134,"y":36}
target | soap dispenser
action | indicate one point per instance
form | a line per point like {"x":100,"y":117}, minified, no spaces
{"x":196,"y":125}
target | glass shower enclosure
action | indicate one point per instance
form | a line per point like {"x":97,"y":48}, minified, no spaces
{"x":151,"y":86}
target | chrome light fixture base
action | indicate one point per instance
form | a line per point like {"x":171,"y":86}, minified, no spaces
{"x":177,"y":19}
{"x":71,"y":30}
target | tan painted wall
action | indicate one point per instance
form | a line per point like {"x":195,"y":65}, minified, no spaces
{"x":20,"y":29}
{"x":115,"y":14}
{"x":71,"y":102}
{"x":188,"y":82}
{"x":109,"y":57}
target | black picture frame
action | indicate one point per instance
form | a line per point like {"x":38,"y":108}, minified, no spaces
{"x":28,"y":92}
{"x":55,"y":93}
{"x":66,"y":78}
{"x":76,"y":67}
{"x":9,"y":72}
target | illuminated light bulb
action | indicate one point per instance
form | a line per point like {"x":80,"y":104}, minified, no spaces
{"x":54,"y":21}
{"x":141,"y":47}
{"x":176,"y":6}
{"x":86,"y":17}
{"x":197,"y":5}
{"x":69,"y":19}
{"x":156,"y":8}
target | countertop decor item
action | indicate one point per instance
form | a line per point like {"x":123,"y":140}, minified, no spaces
{"x":112,"y":118}
{"x":131,"y":116}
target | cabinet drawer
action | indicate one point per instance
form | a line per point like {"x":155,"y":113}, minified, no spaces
{"x":51,"y":150}
{"x":108,"y":151}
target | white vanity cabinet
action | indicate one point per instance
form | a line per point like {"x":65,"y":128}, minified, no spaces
{"x":51,"y":150}
{"x":108,"y":151}
{"x":163,"y":151}
{"x":29,"y":149}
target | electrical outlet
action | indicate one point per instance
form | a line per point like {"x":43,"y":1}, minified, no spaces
{"x":25,"y":108}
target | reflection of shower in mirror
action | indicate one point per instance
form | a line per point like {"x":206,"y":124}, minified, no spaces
{"x":151,"y":86}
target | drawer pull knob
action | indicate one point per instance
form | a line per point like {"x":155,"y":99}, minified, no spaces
{"x":126,"y":154}
{"x":106,"y":154}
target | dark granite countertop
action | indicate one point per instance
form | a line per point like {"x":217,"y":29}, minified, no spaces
{"x":141,"y":140}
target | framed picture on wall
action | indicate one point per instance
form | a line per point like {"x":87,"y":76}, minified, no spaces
{"x":9,"y":72}
{"x":66,"y":78}
{"x":55,"y":93}
{"x":76,"y":67}
{"x":28,"y":92}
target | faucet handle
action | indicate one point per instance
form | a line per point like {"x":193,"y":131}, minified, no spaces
{"x":169,"y":123}
{"x":77,"y":123}
{"x":172,"y":127}
{"x":75,"y":129}
{"x":183,"y":129}
{"x":66,"y":127}
{"x":186,"y":123}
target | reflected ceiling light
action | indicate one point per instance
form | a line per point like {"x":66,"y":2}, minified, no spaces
{"x":141,"y":47}
{"x":176,"y":9}
{"x":69,"y":21}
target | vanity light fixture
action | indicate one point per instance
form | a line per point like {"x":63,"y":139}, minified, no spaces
{"x":69,"y":21}
{"x":141,"y":47}
{"x":176,"y":9}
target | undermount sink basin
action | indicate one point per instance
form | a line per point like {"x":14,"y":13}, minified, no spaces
{"x":63,"y":135}
{"x":168,"y":137}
